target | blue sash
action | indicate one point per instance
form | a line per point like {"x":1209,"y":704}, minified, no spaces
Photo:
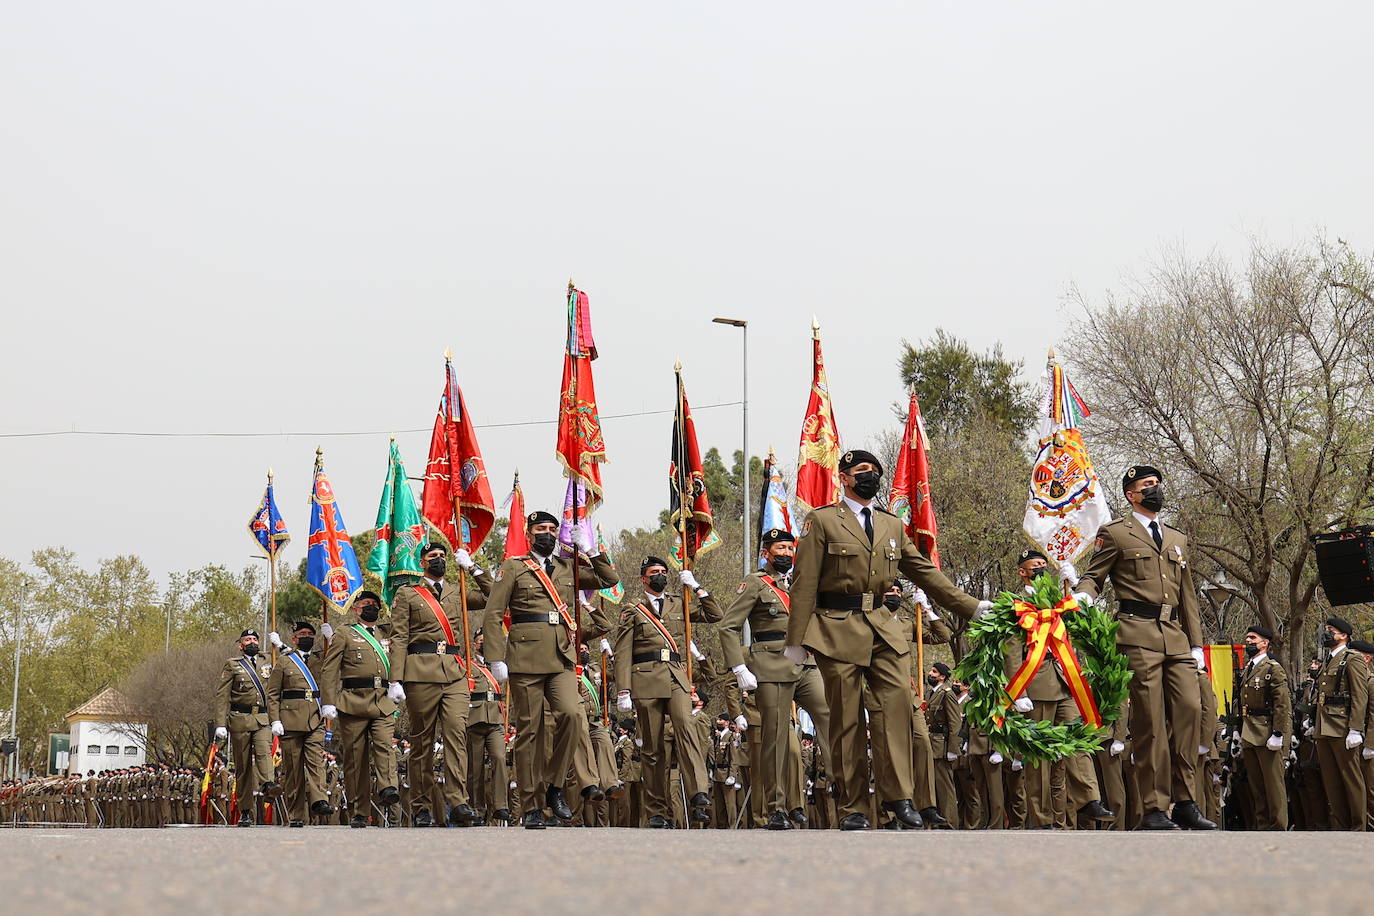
{"x":257,"y":681}
{"x":309,"y":678}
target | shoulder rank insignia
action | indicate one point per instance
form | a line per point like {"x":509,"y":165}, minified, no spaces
{"x":740,"y":590}
{"x":500,"y":571}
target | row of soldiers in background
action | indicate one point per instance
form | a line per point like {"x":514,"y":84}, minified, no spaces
{"x":152,"y":795}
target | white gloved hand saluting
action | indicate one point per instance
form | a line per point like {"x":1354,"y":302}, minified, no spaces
{"x":689,"y":580}
{"x":995,"y":758}
{"x":463,"y":559}
{"x":500,"y":671}
{"x":1353,"y":739}
{"x":277,"y":728}
{"x":1068,"y":573}
{"x":1024,"y":704}
{"x":1275,"y":743}
{"x":1198,"y":657}
{"x":745,"y":678}
{"x":221,"y":733}
{"x":1115,"y":748}
{"x":274,"y":639}
{"x":742,"y":722}
{"x":623,"y":701}
{"x":396,"y":692}
{"x":329,"y":712}
{"x":794,"y":654}
{"x":580,"y":541}
{"x":326,"y":631}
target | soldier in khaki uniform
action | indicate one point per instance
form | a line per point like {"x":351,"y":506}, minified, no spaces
{"x":933,"y":631}
{"x":652,"y":679}
{"x":487,"y":738}
{"x":1107,"y":764}
{"x":353,"y":684}
{"x":1366,"y":649}
{"x":538,"y":656}
{"x":1266,"y":712}
{"x":1161,"y":635}
{"x":848,"y":556}
{"x":429,"y":673}
{"x":944,"y":721}
{"x":1342,"y":707}
{"x":293,"y":703}
{"x":761,"y":602}
{"x":241,"y":715}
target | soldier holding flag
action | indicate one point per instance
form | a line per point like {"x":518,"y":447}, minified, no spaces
{"x":241,"y":715}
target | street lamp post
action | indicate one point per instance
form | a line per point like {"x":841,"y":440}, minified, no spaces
{"x":744,"y":376}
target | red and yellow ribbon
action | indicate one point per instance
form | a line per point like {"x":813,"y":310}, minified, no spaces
{"x":1045,"y":632}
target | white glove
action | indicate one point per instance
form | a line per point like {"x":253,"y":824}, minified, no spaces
{"x":1275,"y":743}
{"x":623,"y":701}
{"x":951,"y":756}
{"x":221,"y":733}
{"x":1353,"y":739}
{"x":1016,"y":766}
{"x":1199,"y":658}
{"x":1367,"y":753}
{"x":1203,"y":750}
{"x":1024,"y":704}
{"x":745,"y":678}
{"x":983,"y":608}
{"x":274,"y":639}
{"x":689,"y":580}
{"x":329,"y":712}
{"x":742,"y":722}
{"x":326,"y":631}
{"x":500,"y":671}
{"x":606,"y":648}
{"x":995,"y":758}
{"x":920,"y":598}
{"x":580,"y":541}
{"x":1068,"y":573}
{"x":277,"y":728}
{"x":729,"y":780}
{"x":1115,"y":748}
{"x":794,"y":654}
{"x":463,"y":559}
{"x":396,"y":692}
{"x":1082,"y":598}
{"x":696,"y":653}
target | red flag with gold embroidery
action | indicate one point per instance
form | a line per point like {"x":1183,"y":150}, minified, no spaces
{"x":818,"y":464}
{"x":455,"y":474}
{"x":580,"y":447}
{"x":909,"y":498}
{"x":517,"y":542}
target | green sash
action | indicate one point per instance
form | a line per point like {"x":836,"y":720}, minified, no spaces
{"x":376,"y":647}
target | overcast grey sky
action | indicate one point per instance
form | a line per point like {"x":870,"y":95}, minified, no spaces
{"x":267,"y":216}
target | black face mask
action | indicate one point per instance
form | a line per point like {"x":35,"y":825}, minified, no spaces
{"x":866,"y":484}
{"x":251,"y":649}
{"x":1152,"y":498}
{"x":1328,"y":640}
{"x":436,"y":568}
{"x":1313,"y":673}
{"x":544,"y":542}
{"x":658,"y":582}
{"x":782,"y":564}
{"x":1251,"y":649}
{"x":369,"y":614}
{"x":892,"y":602}
{"x":933,"y":681}
{"x":305,"y":643}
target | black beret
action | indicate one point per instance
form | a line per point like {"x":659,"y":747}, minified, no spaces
{"x":366,"y":594}
{"x":302,"y":625}
{"x":858,"y":456}
{"x":1138,"y":471}
{"x":433,"y":545}
{"x":534,"y":518}
{"x":1340,"y":623}
{"x":1360,"y":645}
{"x":778,"y":536}
{"x":942,"y":668}
{"x":253,"y":633}
{"x":651,"y":561}
{"x":1030,"y":553}
{"x":1262,"y":632}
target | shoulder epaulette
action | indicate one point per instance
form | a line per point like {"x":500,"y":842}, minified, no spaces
{"x":885,"y":511}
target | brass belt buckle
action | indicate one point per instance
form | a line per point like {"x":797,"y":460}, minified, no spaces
{"x":376,"y":683}
{"x":1165,"y":610}
{"x":439,"y":647}
{"x":866,"y":604}
{"x":553,"y":618}
{"x":664,"y":655}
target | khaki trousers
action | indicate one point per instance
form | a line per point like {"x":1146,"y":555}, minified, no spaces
{"x":723,"y":805}
{"x":529,"y":695}
{"x":486,"y":740}
{"x":1268,"y":794}
{"x":1113,"y":785}
{"x":302,"y":763}
{"x":775,"y":706}
{"x":1344,"y":782}
{"x":687,"y":749}
{"x":987,"y":780}
{"x":1166,"y":716}
{"x":257,"y":744}
{"x":438,"y":712}
{"x":810,"y":696}
{"x":366,"y":744}
{"x":1050,"y":786}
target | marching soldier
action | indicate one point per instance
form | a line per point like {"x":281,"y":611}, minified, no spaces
{"x":944,"y":722}
{"x":1161,"y":635}
{"x":1366,"y":649}
{"x":430,"y":675}
{"x":1266,"y":713}
{"x":293,"y":703}
{"x":241,"y":714}
{"x":848,"y":556}
{"x":1342,"y":705}
{"x":353,"y":685}
{"x":652,"y":680}
{"x":933,"y":631}
{"x":487,"y":734}
{"x":538,"y":656}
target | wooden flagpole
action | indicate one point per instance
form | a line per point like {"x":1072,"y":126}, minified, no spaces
{"x":573,"y":475}
{"x":682,"y":522}
{"x":455,"y":473}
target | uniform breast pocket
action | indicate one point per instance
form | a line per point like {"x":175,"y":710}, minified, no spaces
{"x":522,"y":634}
{"x":845,"y":555}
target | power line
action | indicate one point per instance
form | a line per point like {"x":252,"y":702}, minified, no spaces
{"x":322,"y":435}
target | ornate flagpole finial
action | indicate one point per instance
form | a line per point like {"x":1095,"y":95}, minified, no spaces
{"x":319,"y":451}
{"x":677,"y":366}
{"x":393,"y":437}
{"x":269,"y":475}
{"x":448,"y":354}
{"x":815,"y":328}
{"x":1052,"y":356}
{"x":571,"y":287}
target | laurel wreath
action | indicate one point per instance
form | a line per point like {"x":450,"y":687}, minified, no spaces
{"x":1018,"y":736}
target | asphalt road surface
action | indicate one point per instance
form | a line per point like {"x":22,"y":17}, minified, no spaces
{"x":505,"y":871}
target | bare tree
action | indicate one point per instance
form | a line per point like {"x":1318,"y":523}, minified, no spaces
{"x":174,"y":693}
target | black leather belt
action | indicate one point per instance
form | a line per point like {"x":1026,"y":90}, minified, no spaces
{"x":298,"y":694}
{"x":1144,"y":609}
{"x":1259,"y":710}
{"x":835,"y":601}
{"x":363,"y":683}
{"x":938,"y":730}
{"x":662,"y":655}
{"x":243,"y":707}
{"x":549,"y":617}
{"x":771,"y":636}
{"x":487,"y":697}
{"x":432,"y":648}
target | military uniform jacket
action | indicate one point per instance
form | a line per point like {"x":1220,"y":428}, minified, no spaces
{"x":1342,"y":694}
{"x":758,"y":604}
{"x":539,"y":643}
{"x":933,"y":632}
{"x":1266,"y":706}
{"x":413,"y":624}
{"x":296,"y":714}
{"x":1139,"y":571}
{"x":484,"y":706}
{"x":834,"y":557}
{"x":637,"y":638}
{"x":351,"y":656}
{"x":237,"y":692}
{"x":944,"y":720}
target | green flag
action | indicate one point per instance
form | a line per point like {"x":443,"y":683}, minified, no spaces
{"x":395,"y":558}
